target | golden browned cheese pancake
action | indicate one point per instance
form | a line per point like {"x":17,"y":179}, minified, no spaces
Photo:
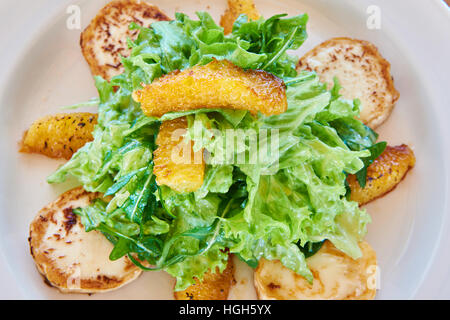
{"x":218,"y":84}
{"x":60,"y":135}
{"x":104,"y":41}
{"x":70,"y":258}
{"x":336,"y":277}
{"x":214,"y":286}
{"x":176,"y":165}
{"x":234,"y":10}
{"x":383,"y":175}
{"x":362,"y":72}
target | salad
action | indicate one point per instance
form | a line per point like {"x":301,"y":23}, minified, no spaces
{"x":238,"y":209}
{"x":265,"y":165}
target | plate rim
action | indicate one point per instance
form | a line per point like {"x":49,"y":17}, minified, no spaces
{"x":432,"y":274}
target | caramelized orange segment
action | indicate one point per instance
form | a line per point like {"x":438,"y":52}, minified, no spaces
{"x":234,"y":10}
{"x":214,"y":286}
{"x":60,"y":135}
{"x":383,"y":175}
{"x":176,"y":164}
{"x":218,"y":84}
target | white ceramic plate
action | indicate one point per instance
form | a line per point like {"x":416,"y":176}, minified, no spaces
{"x":41,"y":69}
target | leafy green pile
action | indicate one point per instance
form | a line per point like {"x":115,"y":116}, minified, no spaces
{"x":276,"y":209}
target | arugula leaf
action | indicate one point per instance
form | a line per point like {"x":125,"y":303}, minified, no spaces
{"x":137,"y":203}
{"x":375,"y":151}
{"x":354,"y":133}
{"x":122,"y":182}
{"x":252,"y":263}
{"x":311,"y":248}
